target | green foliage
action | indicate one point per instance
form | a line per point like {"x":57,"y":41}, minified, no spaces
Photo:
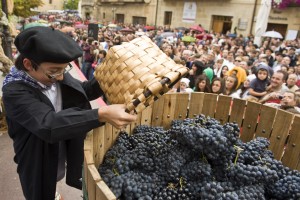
{"x":22,"y":7}
{"x":71,"y":4}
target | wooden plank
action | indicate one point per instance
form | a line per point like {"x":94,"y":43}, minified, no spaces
{"x":196,"y":104}
{"x":98,"y":145}
{"x":88,"y":160}
{"x":281,"y":127}
{"x":291,"y":156}
{"x":108,"y":138}
{"x":146,"y":116}
{"x":265,"y":121}
{"x":223,"y":107}
{"x":250,"y":121}
{"x":209,"y":104}
{"x":93,"y":179}
{"x":103,"y":192}
{"x":136,"y":123}
{"x":237,"y":111}
{"x":157,"y":111}
{"x":88,"y":142}
{"x":175,"y":106}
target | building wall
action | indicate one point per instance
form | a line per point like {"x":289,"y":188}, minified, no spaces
{"x":240,"y":11}
{"x":54,"y":5}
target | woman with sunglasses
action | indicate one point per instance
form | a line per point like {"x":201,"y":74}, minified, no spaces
{"x":48,"y":112}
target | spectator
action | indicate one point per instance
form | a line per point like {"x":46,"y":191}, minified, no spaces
{"x":224,"y":71}
{"x":217,"y":86}
{"x":258,"y":86}
{"x":288,"y":102}
{"x":202,"y":84}
{"x":276,"y":88}
{"x":291,"y":82}
{"x":231,"y":83}
{"x":184,"y":86}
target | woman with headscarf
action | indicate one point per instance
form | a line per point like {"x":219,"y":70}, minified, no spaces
{"x":240,"y":74}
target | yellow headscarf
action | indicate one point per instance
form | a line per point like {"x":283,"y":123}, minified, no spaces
{"x":240,"y":73}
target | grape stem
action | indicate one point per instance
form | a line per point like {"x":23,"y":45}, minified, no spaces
{"x":238,"y":151}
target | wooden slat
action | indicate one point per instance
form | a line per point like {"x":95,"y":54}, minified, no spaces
{"x":88,"y":160}
{"x":237,"y":111}
{"x":250,"y":121}
{"x":291,"y":156}
{"x":196,"y":104}
{"x":88,"y":142}
{"x":223,"y":107}
{"x":265,"y":121}
{"x":93,"y":179}
{"x":103,"y":192}
{"x":98,"y":145}
{"x":108,"y":138}
{"x":157,"y":111}
{"x":136,"y":123}
{"x":281,"y":127}
{"x":146,"y":116}
{"x":209,"y":104}
{"x":175,"y":106}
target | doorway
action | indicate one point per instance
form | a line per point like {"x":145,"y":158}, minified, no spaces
{"x":221,"y":24}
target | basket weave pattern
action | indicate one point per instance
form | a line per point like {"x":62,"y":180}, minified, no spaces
{"x":137,"y":73}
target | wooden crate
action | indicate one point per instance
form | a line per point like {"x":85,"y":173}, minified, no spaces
{"x":255,"y":120}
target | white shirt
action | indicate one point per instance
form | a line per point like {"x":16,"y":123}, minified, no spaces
{"x":54,"y":95}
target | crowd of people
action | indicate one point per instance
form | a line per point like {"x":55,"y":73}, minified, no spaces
{"x":228,"y":64}
{"x":48,"y":111}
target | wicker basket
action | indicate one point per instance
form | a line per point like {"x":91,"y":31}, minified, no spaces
{"x":137,"y":73}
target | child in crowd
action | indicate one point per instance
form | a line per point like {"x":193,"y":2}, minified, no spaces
{"x":184,"y":86}
{"x":258,"y":86}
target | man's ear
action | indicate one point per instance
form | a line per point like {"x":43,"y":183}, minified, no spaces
{"x":28,"y":64}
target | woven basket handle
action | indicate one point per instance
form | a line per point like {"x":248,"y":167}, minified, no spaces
{"x":132,"y":105}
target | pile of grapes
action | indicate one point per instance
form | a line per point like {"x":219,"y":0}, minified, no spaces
{"x":195,"y":159}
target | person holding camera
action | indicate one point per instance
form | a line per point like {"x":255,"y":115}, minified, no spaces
{"x":288,"y":102}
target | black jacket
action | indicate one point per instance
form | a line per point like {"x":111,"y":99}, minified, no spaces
{"x":36,"y":130}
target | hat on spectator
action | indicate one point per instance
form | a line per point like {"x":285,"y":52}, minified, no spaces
{"x":186,"y":81}
{"x":45,"y":44}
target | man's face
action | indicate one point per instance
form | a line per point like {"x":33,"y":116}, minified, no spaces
{"x":286,"y":61}
{"x":277,"y":80}
{"x":292,"y":80}
{"x":288,"y":99}
{"x":297,"y":68}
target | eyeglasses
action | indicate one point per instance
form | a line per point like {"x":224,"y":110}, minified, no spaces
{"x":55,"y":75}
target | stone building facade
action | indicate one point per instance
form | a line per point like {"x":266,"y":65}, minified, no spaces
{"x":216,"y":15}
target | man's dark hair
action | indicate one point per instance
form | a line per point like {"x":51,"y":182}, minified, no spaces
{"x":20,"y":66}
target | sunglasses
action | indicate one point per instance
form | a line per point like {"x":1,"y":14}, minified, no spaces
{"x":238,"y":61}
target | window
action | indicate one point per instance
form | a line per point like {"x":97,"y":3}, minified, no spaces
{"x":168,"y":18}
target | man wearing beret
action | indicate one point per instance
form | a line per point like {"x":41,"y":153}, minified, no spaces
{"x":48,"y":111}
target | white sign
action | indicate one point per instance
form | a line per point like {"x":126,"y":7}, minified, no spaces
{"x":189,"y":12}
{"x":291,"y":35}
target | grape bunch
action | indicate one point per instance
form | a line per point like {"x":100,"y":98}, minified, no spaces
{"x":195,"y":159}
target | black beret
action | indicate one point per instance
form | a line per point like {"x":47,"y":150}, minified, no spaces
{"x":45,"y":44}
